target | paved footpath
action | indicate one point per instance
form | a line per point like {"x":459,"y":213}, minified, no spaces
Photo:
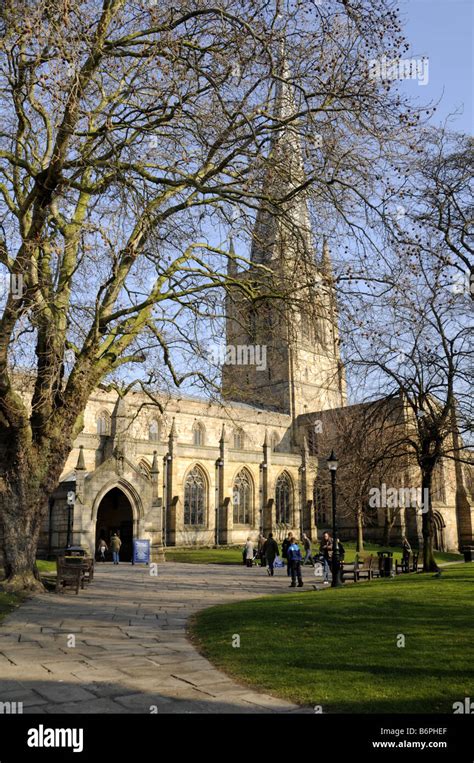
{"x":131,"y":654}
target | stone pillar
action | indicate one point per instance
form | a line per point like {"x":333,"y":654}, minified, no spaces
{"x":226,"y":521}
{"x":264,"y":469}
{"x":80,"y":475}
{"x":221,"y":531}
{"x":156,"y":531}
{"x":174,"y":507}
{"x":175,"y":522}
{"x":269,"y":519}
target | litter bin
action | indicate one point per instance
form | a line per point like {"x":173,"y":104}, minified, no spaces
{"x":468,"y":552}
{"x":385,"y":563}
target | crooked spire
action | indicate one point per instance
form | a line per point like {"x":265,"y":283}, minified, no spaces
{"x":282,"y":227}
{"x":232,"y":259}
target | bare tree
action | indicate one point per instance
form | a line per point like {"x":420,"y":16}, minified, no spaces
{"x":412,"y":340}
{"x":439,"y":201}
{"x":132,"y":133}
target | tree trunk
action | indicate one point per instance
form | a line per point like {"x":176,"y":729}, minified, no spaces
{"x":387,"y":528}
{"x":27,"y":486}
{"x":429,"y":563}
{"x":360,"y":531}
{"x":21,"y":529}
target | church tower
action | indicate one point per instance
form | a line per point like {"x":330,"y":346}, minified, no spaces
{"x":283,"y":345}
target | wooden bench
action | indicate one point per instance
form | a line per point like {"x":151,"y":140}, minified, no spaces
{"x":408,"y":563}
{"x":88,"y":568}
{"x":363,"y":566}
{"x":70,"y":572}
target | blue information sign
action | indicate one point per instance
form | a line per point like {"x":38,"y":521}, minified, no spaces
{"x":141,"y":552}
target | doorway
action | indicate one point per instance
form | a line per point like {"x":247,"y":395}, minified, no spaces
{"x":115,"y":515}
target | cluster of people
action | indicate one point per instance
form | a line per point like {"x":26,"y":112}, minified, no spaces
{"x":268,"y":554}
{"x":115,"y":544}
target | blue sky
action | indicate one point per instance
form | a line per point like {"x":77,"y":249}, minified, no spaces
{"x":443,"y":30}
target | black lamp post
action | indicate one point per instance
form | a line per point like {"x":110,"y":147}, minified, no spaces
{"x":336,"y":571}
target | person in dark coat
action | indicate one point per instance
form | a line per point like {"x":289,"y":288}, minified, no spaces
{"x":325,"y":550}
{"x":294,"y":560}
{"x":270,"y":551}
{"x":406,"y":551}
{"x":261,"y":553}
{"x":284,"y":551}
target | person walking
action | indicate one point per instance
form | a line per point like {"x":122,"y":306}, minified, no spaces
{"x":284,"y":551}
{"x":325,"y":550}
{"x":249,"y":552}
{"x":115,"y":544}
{"x":271,"y":551}
{"x":102,"y":548}
{"x":406,"y":551}
{"x":294,"y":560}
{"x":307,"y":548}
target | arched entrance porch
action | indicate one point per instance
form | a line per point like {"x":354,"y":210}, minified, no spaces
{"x":438,"y":532}
{"x":115,"y":514}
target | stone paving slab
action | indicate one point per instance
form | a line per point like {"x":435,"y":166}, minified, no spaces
{"x":131,"y":652}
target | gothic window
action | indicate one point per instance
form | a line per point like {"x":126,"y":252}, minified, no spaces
{"x":275,"y":440}
{"x":283,"y":499}
{"x":252,"y":324}
{"x":321,"y":331}
{"x":312,"y":440}
{"x":242,"y":498}
{"x":320,"y":505}
{"x":154,"y":431}
{"x":438,"y":489}
{"x":239,"y":439}
{"x":198,"y":434}
{"x":305,"y":327}
{"x":195,"y":497}
{"x":103,"y":423}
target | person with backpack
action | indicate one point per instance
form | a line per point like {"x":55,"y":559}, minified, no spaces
{"x":294,"y":561}
{"x":270,"y":551}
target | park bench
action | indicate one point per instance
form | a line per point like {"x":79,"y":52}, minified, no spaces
{"x":70,"y":572}
{"x":408,"y":564}
{"x":88,"y":568}
{"x":362,"y":567}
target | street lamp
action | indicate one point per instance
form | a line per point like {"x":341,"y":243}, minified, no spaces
{"x":336,"y":571}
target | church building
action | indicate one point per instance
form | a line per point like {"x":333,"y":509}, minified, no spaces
{"x":201,"y":472}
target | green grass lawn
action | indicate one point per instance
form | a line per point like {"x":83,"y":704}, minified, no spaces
{"x":337,"y":648}
{"x":234,"y":555}
{"x":45,"y":567}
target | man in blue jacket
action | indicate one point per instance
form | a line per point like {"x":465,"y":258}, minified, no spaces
{"x":294,"y":562}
